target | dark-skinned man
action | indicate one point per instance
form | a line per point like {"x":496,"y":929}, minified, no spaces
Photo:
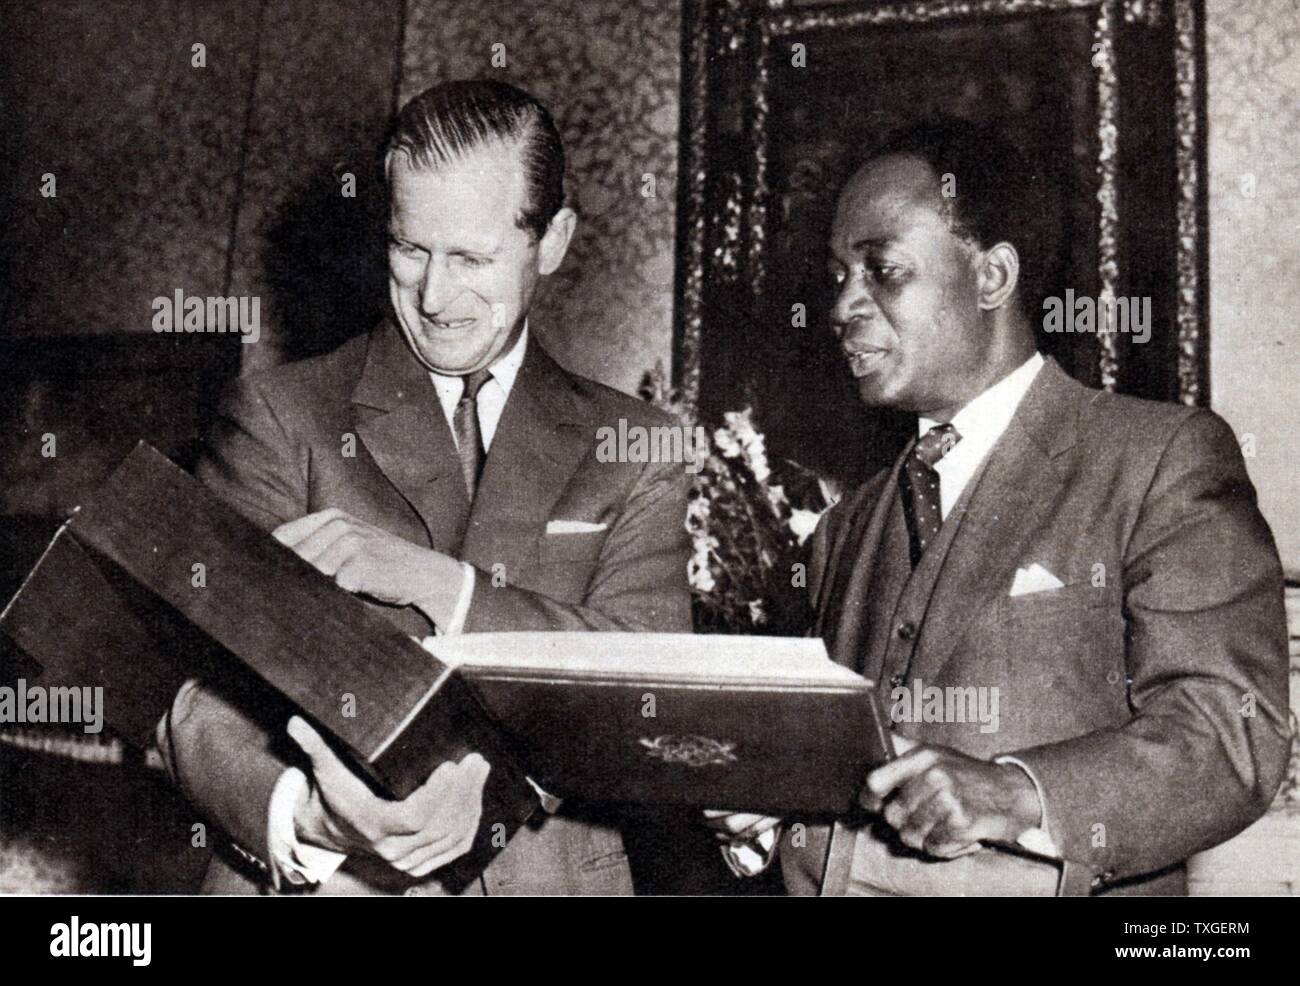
{"x":1096,"y":564}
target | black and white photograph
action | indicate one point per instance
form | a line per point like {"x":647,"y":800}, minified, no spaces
{"x":662,"y":448}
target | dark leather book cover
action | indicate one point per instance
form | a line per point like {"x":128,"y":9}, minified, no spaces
{"x":763,"y":724}
{"x":155,"y":579}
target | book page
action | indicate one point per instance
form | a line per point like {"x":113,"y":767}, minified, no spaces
{"x":684,"y":655}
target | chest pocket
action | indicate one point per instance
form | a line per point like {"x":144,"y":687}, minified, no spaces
{"x":1076,"y":598}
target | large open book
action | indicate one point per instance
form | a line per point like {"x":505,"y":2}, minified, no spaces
{"x":154,"y":580}
{"x":759,"y":723}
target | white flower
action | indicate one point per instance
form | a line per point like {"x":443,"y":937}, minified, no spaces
{"x":727,"y":444}
{"x":803,"y":523}
{"x":740,"y":424}
{"x":699,"y":574}
{"x":697,"y":513}
{"x":756,"y":614}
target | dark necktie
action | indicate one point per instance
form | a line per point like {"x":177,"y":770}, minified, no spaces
{"x":920,"y":483}
{"x":469,"y":438}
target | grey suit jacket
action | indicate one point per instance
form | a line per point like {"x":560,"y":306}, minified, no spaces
{"x":1149,"y":693}
{"x":280,"y":450}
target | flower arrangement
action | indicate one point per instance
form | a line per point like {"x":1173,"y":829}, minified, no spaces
{"x":749,"y":521}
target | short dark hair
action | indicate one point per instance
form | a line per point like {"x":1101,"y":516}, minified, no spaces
{"x":448,"y":121}
{"x":999,"y":196}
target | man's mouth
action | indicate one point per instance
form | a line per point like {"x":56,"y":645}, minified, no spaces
{"x":864,"y":359}
{"x":448,"y":324}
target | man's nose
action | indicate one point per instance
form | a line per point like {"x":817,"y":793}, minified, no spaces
{"x":438,"y":288}
{"x":854,"y":301}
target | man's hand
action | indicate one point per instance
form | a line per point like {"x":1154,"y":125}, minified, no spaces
{"x":732,"y":826}
{"x":944,"y":802}
{"x":435,"y":825}
{"x":366,"y":559}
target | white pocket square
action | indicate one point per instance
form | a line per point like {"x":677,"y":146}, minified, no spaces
{"x":1035,"y":578}
{"x":572,"y":527}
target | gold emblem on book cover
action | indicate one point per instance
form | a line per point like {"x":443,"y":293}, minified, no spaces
{"x":693,"y":751}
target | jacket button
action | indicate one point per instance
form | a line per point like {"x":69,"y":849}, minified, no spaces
{"x":1112,"y":677}
{"x":416,"y":891}
{"x":906,"y":631}
{"x":896,"y":680}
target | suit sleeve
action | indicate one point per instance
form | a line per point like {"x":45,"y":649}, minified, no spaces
{"x":224,"y":756}
{"x":640,"y":578}
{"x":1206,"y":746}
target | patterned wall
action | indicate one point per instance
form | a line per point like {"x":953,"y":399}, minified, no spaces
{"x":215,"y":179}
{"x":325,"y":85}
{"x":144,"y":148}
{"x":1253,"y":55}
{"x":609,"y":70}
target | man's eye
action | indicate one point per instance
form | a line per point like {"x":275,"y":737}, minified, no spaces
{"x":837,"y":277}
{"x":405,"y":249}
{"x":474,"y":262}
{"x":884,"y":272}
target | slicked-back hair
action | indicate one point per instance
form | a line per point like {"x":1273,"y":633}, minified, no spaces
{"x":998,"y":196}
{"x":449,"y":121}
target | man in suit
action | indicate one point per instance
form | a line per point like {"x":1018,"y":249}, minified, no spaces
{"x":1089,"y":570}
{"x":445,"y":469}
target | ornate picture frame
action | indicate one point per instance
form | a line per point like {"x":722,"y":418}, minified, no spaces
{"x":1112,"y":90}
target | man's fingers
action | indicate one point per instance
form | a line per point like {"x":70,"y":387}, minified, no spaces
{"x":914,"y":824}
{"x":461,"y":776}
{"x":902,"y":744}
{"x":729,"y":823}
{"x":885,"y":779}
{"x":439,"y":859}
{"x":335,"y":554}
{"x":335,"y":779}
{"x":424,"y":857}
{"x":319,"y":541}
{"x":952,"y":834}
{"x":292,"y":532}
{"x":454,"y":792}
{"x":739,"y":825}
{"x":407,"y":851}
{"x":453,"y":788}
{"x":908,"y":798}
{"x":355,"y":574}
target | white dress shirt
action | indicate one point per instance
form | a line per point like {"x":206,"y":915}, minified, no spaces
{"x":302,"y":863}
{"x":492,"y":396}
{"x":980,"y":424}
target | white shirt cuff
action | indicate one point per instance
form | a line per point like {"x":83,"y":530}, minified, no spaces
{"x":550,"y":803}
{"x":461,"y":611}
{"x":750,"y":857}
{"x":292,"y":860}
{"x":1035,"y":840}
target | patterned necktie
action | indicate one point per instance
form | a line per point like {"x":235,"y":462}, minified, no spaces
{"x":469,"y":439}
{"x":920,"y":482}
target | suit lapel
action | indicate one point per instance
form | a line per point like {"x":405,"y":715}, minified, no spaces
{"x":1017,"y":488}
{"x":402,"y":426}
{"x":540,"y":440}
{"x":841,"y":620}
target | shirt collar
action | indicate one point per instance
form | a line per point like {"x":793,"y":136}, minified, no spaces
{"x":984,"y":419}
{"x":503,"y":371}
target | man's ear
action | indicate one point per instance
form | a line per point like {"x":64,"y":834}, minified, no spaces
{"x":999,"y":273}
{"x":555,"y":241}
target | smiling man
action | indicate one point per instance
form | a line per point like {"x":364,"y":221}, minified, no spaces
{"x":444,"y":469}
{"x":1096,"y":561}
